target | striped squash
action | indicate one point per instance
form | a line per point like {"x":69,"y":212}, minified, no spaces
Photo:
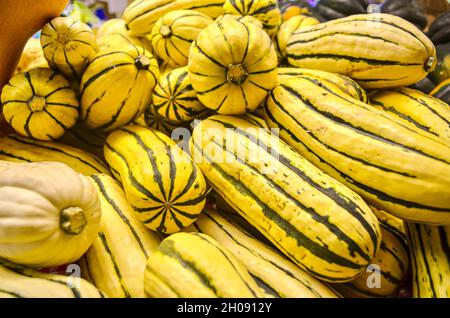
{"x":116,"y":260}
{"x":232,"y":66}
{"x":392,"y":166}
{"x":193,"y":265}
{"x":271,"y":271}
{"x":286,"y":30}
{"x":175,"y":100}
{"x":80,"y":137}
{"x":306,"y":214}
{"x":426,"y":113}
{"x":117,"y":86}
{"x":430,"y":257}
{"x":388,"y":269}
{"x":442,"y":91}
{"x":152,"y":120}
{"x":337,"y":81}
{"x":40,"y":104}
{"x":165,"y":68}
{"x":240,"y":18}
{"x":141,"y":15}
{"x":109,"y":26}
{"x":164,"y":186}
{"x":378,"y":51}
{"x":393,"y":223}
{"x":69,"y":45}
{"x":266,"y":11}
{"x":173,"y":34}
{"x":113,"y":33}
{"x":19,"y":282}
{"x":21,"y":149}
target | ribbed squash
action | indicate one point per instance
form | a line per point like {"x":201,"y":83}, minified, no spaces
{"x":266,"y":11}
{"x":430,"y":258}
{"x":390,"y":164}
{"x":116,"y":260}
{"x":286,"y":30}
{"x":232,"y":67}
{"x":50,"y":213}
{"x":152,"y":120}
{"x":117,"y":86}
{"x":20,"y":282}
{"x":80,"y":137}
{"x":241,"y":18}
{"x":193,"y":265}
{"x":395,"y":224}
{"x":69,"y":45}
{"x":378,"y":51}
{"x":109,"y":26}
{"x":272,"y":272}
{"x":323,"y":226}
{"x":426,"y":113}
{"x":332,"y":81}
{"x":40,"y":104}
{"x":164,"y":186}
{"x":20,"y":149}
{"x":32,"y":56}
{"x":442,"y":91}
{"x":141,"y":15}
{"x":173,"y":34}
{"x":175,"y":100}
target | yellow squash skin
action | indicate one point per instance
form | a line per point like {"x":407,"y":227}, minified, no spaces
{"x":323,"y":226}
{"x":241,"y":18}
{"x":141,"y":15}
{"x":338,"y":82}
{"x":164,"y":186}
{"x":232,"y":67}
{"x":19,"y":282}
{"x":40,"y":104}
{"x":395,"y":224}
{"x":116,"y":260}
{"x":69,"y":45}
{"x":152,"y":120}
{"x":266,"y":11}
{"x":426,"y":113}
{"x":173,"y":34}
{"x":430,"y":258}
{"x":389,"y":164}
{"x":117,"y":87}
{"x":50,"y":213}
{"x":20,"y":149}
{"x":286,"y":30}
{"x":279,"y":276}
{"x":193,"y":265}
{"x":121,"y":37}
{"x":392,"y":261}
{"x":377,"y":50}
{"x":175,"y":100}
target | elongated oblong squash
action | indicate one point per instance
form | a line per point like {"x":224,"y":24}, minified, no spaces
{"x":69,"y":45}
{"x":50,"y":213}
{"x":391,"y":165}
{"x":117,"y":86}
{"x":306,"y":214}
{"x":40,"y":104}
{"x":116,"y":260}
{"x":21,"y":149}
{"x":430,"y":258}
{"x":426,"y":113}
{"x":20,"y":282}
{"x":232,"y":66}
{"x":377,"y":50}
{"x":275,"y":274}
{"x":164,"y":186}
{"x":141,"y":15}
{"x":193,"y":265}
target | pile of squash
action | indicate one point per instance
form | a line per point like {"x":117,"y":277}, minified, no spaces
{"x":211,"y":148}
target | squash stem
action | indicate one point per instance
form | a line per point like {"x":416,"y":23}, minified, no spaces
{"x":37,"y":104}
{"x":72,"y":220}
{"x":236,"y":74}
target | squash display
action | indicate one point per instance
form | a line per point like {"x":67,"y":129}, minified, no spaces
{"x":116,"y":88}
{"x":152,"y":120}
{"x":164,"y":186}
{"x":390,"y":164}
{"x":116,"y":260}
{"x":266,"y":11}
{"x":69,"y":45}
{"x":173,"y":34}
{"x":399,"y":54}
{"x":141,"y":15}
{"x":50,"y":214}
{"x":195,"y":265}
{"x":40,"y":104}
{"x":442,"y":91}
{"x":232,"y":67}
{"x":305,"y":213}
{"x":406,"y":9}
{"x":175,"y":100}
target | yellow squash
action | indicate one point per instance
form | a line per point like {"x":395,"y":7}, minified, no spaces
{"x":152,"y":120}
{"x":241,"y":18}
{"x":80,"y":137}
